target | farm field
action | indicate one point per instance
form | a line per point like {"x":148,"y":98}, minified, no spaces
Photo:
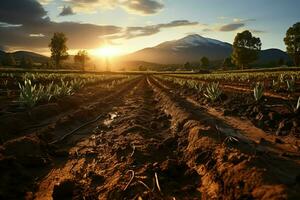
{"x":150,"y":136}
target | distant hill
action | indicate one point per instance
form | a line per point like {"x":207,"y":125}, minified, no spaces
{"x":192,"y":48}
{"x":18,"y":55}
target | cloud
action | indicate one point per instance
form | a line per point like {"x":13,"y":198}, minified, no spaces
{"x":139,"y":7}
{"x":21,"y":12}
{"x":66,"y":10}
{"x":144,"y":7}
{"x":44,"y":2}
{"x":231,"y":27}
{"x":28,"y":27}
{"x":238,"y":20}
{"x":257,"y":31}
{"x":234,"y":25}
{"x":133,"y":32}
{"x":36,"y":35}
{"x":24,"y":24}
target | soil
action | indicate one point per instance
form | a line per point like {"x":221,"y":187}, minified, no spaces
{"x":147,"y":140}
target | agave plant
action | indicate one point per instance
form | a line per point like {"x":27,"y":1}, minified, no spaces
{"x":297,"y":108}
{"x":258,"y":91}
{"x":213,"y":91}
{"x":291,"y":84}
{"x":200,"y":87}
{"x":64,"y":89}
{"x":275,"y":85}
{"x":29,"y":93}
{"x":77,"y":84}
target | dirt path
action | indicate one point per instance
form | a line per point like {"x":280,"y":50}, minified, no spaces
{"x":152,"y":143}
{"x":231,"y":165}
{"x":135,"y":156}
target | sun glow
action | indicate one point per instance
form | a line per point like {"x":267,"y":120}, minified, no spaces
{"x":106,"y":51}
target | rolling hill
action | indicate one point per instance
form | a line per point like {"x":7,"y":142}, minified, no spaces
{"x":18,"y":55}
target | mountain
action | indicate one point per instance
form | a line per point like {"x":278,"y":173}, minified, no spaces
{"x":192,"y":48}
{"x":18,"y":55}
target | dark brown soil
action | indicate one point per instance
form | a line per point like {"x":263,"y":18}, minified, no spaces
{"x":148,"y":142}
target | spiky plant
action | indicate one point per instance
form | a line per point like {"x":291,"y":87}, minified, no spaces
{"x":258,"y":91}
{"x":29,"y":93}
{"x":291,"y":84}
{"x":213,"y":91}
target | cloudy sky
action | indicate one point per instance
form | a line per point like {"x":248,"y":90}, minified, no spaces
{"x":129,"y":25}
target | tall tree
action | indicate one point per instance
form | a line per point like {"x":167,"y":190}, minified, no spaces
{"x":245,"y":49}
{"x":204,"y":61}
{"x":292,"y":42}
{"x":58,"y":48}
{"x":82,"y":57}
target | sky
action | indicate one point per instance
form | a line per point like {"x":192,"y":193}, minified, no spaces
{"x":124,"y":26}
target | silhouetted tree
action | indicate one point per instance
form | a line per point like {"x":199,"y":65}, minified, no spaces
{"x":204,"y":61}
{"x":245,"y":49}
{"x":82,"y":57}
{"x":9,"y":60}
{"x":292,"y":42}
{"x":58,"y":48}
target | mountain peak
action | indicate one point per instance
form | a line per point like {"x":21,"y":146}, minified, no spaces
{"x":197,"y":40}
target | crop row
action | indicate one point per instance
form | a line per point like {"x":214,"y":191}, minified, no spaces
{"x":33,"y":93}
{"x":212,"y":90}
{"x":244,"y":77}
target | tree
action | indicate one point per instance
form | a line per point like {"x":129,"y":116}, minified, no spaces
{"x":245,"y":49}
{"x":226,"y":64}
{"x":204,"y":61}
{"x":292,"y":42}
{"x":9,"y":60}
{"x":58,"y":48}
{"x":82,"y":57}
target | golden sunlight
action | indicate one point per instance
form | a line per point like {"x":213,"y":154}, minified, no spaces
{"x":106,"y":51}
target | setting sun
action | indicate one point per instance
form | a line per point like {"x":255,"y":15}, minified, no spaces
{"x":106,"y":51}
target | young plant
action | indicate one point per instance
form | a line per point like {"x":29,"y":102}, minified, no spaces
{"x":294,"y":109}
{"x":29,"y":93}
{"x":297,"y":108}
{"x":291,"y":84}
{"x":63,"y":90}
{"x":213,"y":91}
{"x":275,"y":85}
{"x":258,"y":91}
{"x":199,"y":87}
